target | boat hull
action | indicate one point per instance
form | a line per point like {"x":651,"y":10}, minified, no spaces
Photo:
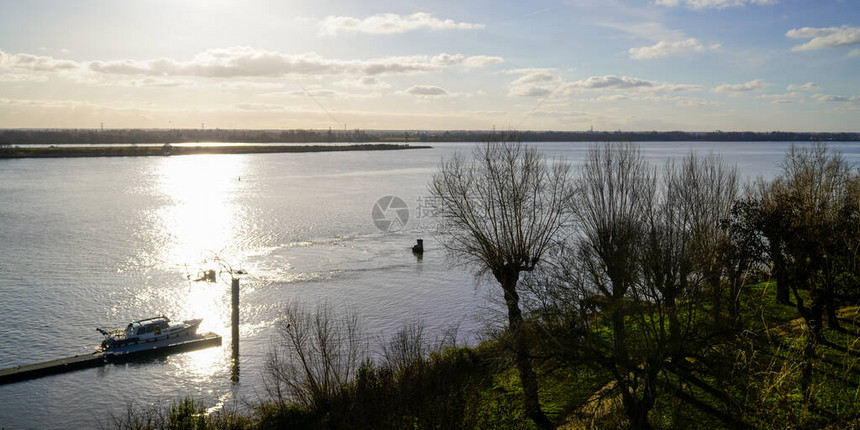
{"x":122,"y":345}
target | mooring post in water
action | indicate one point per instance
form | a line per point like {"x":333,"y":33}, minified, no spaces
{"x":235,"y":297}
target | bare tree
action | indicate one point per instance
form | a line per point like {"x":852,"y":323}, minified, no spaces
{"x":814,"y":222}
{"x":645,"y":252}
{"x":407,"y":347}
{"x":708,"y":189}
{"x":316,"y":353}
{"x":616,"y":194}
{"x":500,"y":212}
{"x":767,"y":218}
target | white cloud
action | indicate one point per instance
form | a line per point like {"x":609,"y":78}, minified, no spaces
{"x":303,"y":93}
{"x":427,"y":91}
{"x":788,"y":98}
{"x":159,"y":82}
{"x":543,"y":82}
{"x":809,"y":86}
{"x":362,"y":82}
{"x":476,"y":61}
{"x":534,"y":82}
{"x":664,"y":48}
{"x":611,"y":98}
{"x":827,"y":37}
{"x":713,"y":4}
{"x":680,"y":101}
{"x":259,"y":107}
{"x":321,"y":93}
{"x":243,"y":61}
{"x":646,"y":30}
{"x":652,"y":98}
{"x":390,"y":23}
{"x":689,"y":101}
{"x":245,"y":85}
{"x":22,"y":77}
{"x":754,"y":85}
{"x":67,"y":105}
{"x":611,"y":82}
{"x":35,"y":63}
{"x":826,"y":98}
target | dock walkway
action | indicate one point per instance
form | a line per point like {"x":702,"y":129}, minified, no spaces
{"x":85,"y":361}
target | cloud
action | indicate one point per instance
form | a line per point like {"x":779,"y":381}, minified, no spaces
{"x":827,"y":37}
{"x":667,"y":41}
{"x":243,"y":61}
{"x":754,"y":85}
{"x":159,"y":82}
{"x":390,"y":23}
{"x":826,"y":98}
{"x":610,"y":81}
{"x":245,"y":85}
{"x":646,"y":30}
{"x":803,"y":87}
{"x":362,"y":82}
{"x":627,"y":83}
{"x":689,"y":101}
{"x":712,"y":4}
{"x":652,"y":98}
{"x":259,"y":107}
{"x":302,"y":93}
{"x":427,"y":91}
{"x":22,"y":77}
{"x":476,"y":61}
{"x":543,"y":82}
{"x":665,"y":48}
{"x":322,"y":93}
{"x":792,"y":97}
{"x":72,"y":105}
{"x":534,"y":82}
{"x":35,"y":63}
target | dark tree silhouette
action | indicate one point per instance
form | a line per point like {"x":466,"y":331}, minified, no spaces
{"x":500,"y":212}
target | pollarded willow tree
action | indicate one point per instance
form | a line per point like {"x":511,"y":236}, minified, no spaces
{"x":501,"y":211}
{"x":811,"y":217}
{"x":645,"y":250}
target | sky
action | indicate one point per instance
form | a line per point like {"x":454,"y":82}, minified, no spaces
{"x":693,"y":65}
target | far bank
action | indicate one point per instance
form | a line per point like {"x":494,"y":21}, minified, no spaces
{"x":170,"y":150}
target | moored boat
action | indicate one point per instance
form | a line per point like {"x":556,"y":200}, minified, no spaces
{"x":146,"y":330}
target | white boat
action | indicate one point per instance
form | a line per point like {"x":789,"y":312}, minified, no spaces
{"x":145,"y":331}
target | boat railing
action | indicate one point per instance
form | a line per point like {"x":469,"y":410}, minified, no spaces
{"x":117,"y":333}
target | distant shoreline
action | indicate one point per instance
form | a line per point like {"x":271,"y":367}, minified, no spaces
{"x":11,"y":137}
{"x":171,"y":150}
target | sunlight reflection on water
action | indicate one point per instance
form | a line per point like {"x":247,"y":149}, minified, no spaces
{"x":204,"y":214}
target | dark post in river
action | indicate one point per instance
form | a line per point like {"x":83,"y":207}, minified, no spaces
{"x":235,"y":328}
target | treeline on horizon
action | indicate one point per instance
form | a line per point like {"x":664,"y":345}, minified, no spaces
{"x":135,"y":136}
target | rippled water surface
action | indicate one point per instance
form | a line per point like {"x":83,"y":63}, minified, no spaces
{"x":90,"y":242}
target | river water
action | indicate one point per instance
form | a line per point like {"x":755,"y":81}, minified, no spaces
{"x":99,"y":242}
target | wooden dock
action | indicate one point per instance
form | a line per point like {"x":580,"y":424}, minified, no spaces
{"x":85,"y":361}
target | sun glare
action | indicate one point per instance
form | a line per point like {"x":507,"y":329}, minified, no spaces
{"x":203,"y":216}
{"x":200,"y":221}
